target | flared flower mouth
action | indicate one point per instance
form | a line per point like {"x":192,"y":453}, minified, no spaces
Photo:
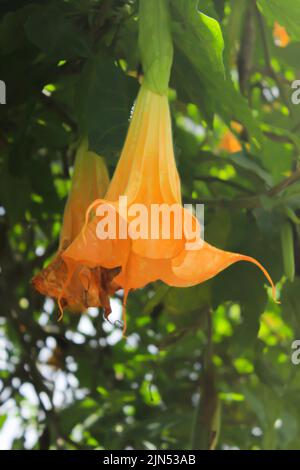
{"x":145,"y":179}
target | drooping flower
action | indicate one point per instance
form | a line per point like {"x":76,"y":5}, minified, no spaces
{"x":147,"y":176}
{"x":87,"y":287}
{"x":281,"y":37}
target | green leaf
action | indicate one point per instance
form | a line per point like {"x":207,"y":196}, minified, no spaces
{"x":3,"y":418}
{"x":213,"y":234}
{"x":199,"y":49}
{"x":54,"y":34}
{"x":104,"y":98}
{"x":285,"y":12}
{"x":199,"y":52}
{"x":188,"y":300}
{"x":248,"y":162}
{"x":199,"y":37}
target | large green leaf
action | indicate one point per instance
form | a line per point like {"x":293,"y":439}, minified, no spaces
{"x":199,"y":50}
{"x":199,"y":36}
{"x":285,"y":12}
{"x":104,"y":98}
{"x":55,"y":34}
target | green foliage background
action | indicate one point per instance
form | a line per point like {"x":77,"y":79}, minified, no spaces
{"x":203,"y":367}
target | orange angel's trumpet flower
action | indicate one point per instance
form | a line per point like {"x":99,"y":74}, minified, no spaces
{"x":146,"y":174}
{"x":230,"y":143}
{"x":89,"y":180}
{"x":83,"y":287}
{"x":281,"y":37}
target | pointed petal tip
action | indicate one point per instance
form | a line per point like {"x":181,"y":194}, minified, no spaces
{"x":264,"y":271}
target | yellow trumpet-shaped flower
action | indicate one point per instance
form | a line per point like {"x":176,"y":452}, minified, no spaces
{"x":89,"y":180}
{"x":147,"y":175}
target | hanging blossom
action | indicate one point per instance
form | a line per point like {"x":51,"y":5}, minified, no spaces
{"x":146,"y":175}
{"x":86,"y":287}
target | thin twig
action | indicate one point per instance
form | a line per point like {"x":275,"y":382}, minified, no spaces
{"x":249,"y":202}
{"x":214,"y":179}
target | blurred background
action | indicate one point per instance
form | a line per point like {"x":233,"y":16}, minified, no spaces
{"x":202,"y":367}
